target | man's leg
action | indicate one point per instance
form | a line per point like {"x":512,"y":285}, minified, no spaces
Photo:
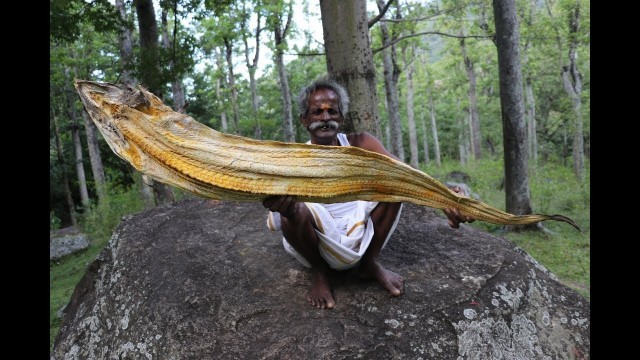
{"x":299,"y":231}
{"x":383,"y":217}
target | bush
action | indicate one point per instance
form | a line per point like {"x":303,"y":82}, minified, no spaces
{"x":99,"y":221}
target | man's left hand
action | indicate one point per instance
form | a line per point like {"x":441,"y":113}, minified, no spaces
{"x":454,"y":215}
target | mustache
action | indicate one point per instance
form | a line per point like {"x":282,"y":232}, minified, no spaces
{"x":331,"y":123}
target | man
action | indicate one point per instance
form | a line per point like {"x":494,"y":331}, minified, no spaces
{"x":344,"y":235}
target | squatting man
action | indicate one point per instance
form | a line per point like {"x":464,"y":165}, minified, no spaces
{"x":338,"y":236}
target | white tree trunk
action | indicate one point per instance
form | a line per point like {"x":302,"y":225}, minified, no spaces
{"x":232,"y":86}
{"x":77,"y":144}
{"x":252,"y":65}
{"x":425,"y":139}
{"x":219,"y":98}
{"x":531,"y":121}
{"x":572,"y":80}
{"x":475,"y":135}
{"x":411,"y":123}
{"x":434,"y":130}
{"x":391,"y":74}
{"x":94,"y":155}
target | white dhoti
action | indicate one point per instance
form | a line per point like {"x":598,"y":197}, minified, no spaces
{"x":344,"y":231}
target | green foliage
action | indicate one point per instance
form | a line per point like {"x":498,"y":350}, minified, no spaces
{"x":101,"y":219}
{"x":54,"y":221}
{"x":67,"y":16}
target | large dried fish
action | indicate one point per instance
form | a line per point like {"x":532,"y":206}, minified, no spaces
{"x":175,"y":149}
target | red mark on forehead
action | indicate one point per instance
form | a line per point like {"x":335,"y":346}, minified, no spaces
{"x":325,"y":106}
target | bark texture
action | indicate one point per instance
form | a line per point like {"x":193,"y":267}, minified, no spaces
{"x":511,"y":101}
{"x":201,"y":279}
{"x":350,"y":61}
{"x":151,"y":77}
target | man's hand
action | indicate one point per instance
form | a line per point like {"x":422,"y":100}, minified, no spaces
{"x":285,"y":205}
{"x":455,"y":218}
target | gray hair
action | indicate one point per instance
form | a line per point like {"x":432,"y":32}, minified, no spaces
{"x":324,"y":82}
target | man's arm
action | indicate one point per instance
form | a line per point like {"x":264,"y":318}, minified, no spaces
{"x":369,"y":142}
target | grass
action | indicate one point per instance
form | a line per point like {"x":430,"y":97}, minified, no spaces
{"x":554,"y":190}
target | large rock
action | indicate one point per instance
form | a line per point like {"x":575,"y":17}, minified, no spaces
{"x":205,"y":280}
{"x":66,"y":241}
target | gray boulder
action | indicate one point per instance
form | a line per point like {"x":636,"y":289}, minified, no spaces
{"x":201,"y":279}
{"x":65,"y":242}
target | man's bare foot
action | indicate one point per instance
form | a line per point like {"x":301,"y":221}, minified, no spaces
{"x":390,"y":281}
{"x":320,"y":295}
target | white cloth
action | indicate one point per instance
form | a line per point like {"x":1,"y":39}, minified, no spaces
{"x":344,"y":229}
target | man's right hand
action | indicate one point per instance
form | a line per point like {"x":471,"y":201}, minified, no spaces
{"x":285,"y":205}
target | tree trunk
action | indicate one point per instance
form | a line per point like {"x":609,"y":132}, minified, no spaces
{"x":387,"y":136}
{"x":177,"y":90}
{"x":148,"y":29}
{"x":475,"y":136}
{"x":77,"y":144}
{"x":219,"y":98}
{"x":434,"y":130}
{"x":530,"y":102}
{"x":228,"y":45}
{"x":462,"y":149}
{"x":350,"y":61}
{"x":391,"y":74}
{"x":94,"y":151}
{"x":413,"y":136}
{"x":151,"y":76}
{"x":65,"y":179}
{"x":252,"y":65}
{"x":280,"y":32}
{"x":572,"y":80}
{"x":425,"y":139}
{"x":531,"y":115}
{"x":94,"y":154}
{"x":126,"y":46}
{"x":513,"y":126}
{"x":126,"y":62}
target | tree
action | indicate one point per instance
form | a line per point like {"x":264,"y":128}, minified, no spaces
{"x":572,"y":80}
{"x":151,"y":75}
{"x":77,"y":144}
{"x":59,"y":157}
{"x":513,"y":127}
{"x":252,"y":64}
{"x":476,"y":136}
{"x":127,"y":65}
{"x":350,"y":61}
{"x":281,"y":28}
{"x":391,"y":75}
{"x":177,"y":91}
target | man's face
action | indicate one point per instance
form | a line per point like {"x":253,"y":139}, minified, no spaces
{"x":323,"y":118}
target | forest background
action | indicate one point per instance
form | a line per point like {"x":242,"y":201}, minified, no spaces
{"x":237,"y":66}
